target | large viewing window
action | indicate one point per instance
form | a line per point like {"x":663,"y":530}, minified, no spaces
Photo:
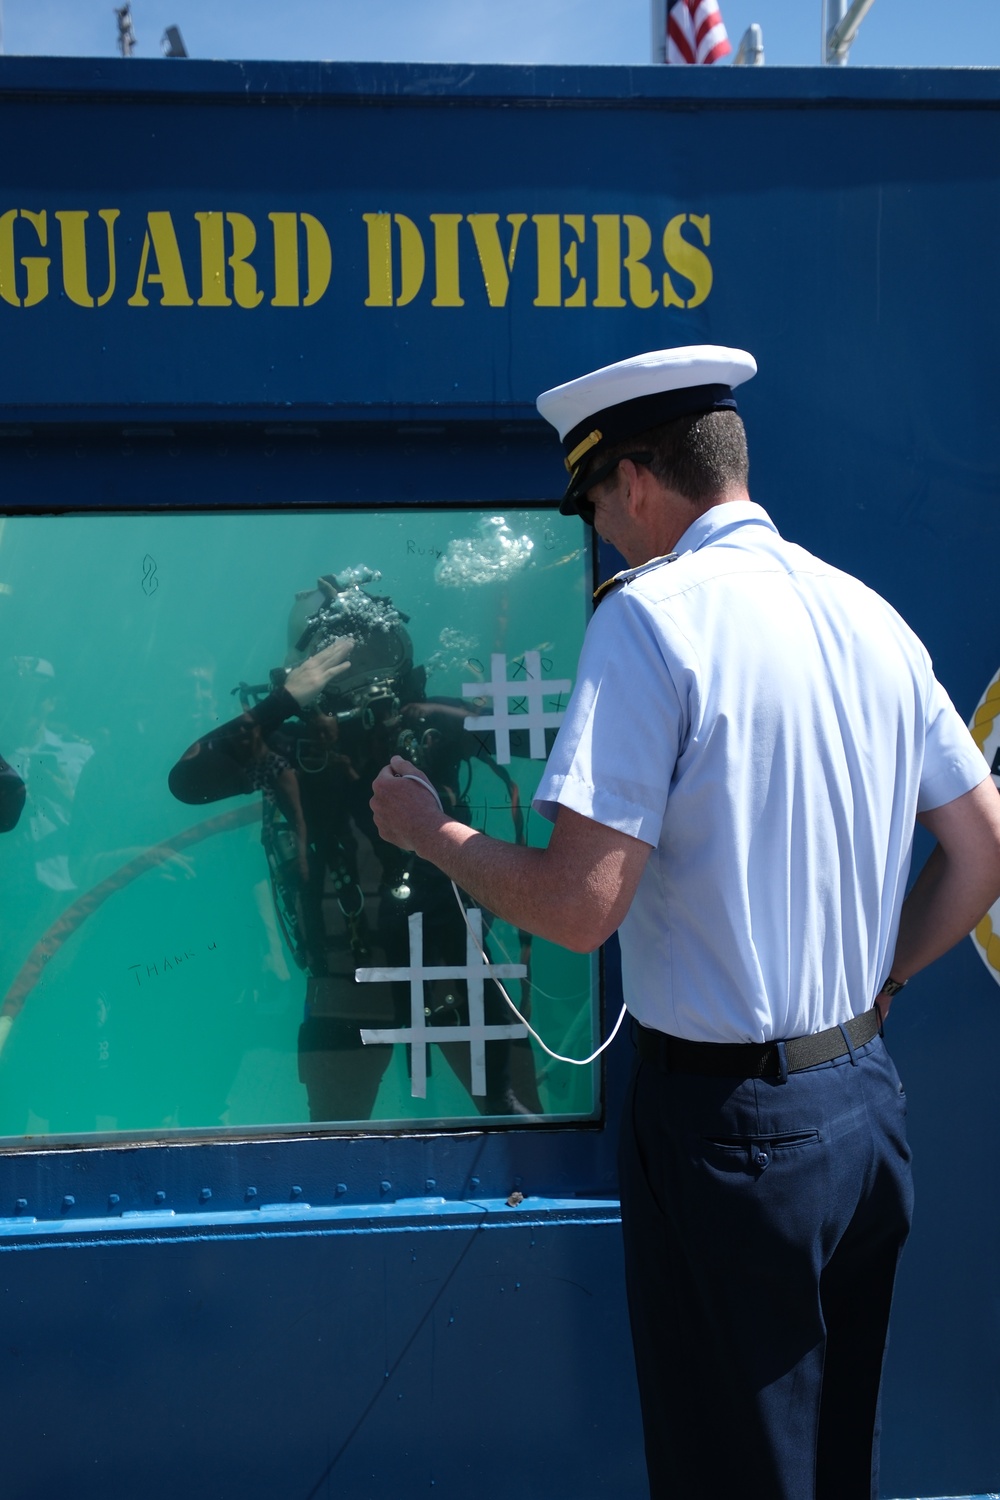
{"x":202,"y":932}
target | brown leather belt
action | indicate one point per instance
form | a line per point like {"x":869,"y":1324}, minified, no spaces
{"x":673,"y":1054}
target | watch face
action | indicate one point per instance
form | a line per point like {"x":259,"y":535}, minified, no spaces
{"x":893,"y":986}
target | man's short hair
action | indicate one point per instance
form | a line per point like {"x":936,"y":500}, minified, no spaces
{"x":702,"y":457}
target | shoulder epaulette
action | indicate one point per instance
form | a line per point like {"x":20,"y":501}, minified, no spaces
{"x":628,"y":574}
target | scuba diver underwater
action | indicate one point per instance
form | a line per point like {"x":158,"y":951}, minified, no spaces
{"x":311,"y":741}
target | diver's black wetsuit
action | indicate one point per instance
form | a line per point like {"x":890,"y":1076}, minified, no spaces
{"x":12,"y":794}
{"x":343,"y":896}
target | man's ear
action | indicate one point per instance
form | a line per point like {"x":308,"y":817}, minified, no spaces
{"x":634,"y":489}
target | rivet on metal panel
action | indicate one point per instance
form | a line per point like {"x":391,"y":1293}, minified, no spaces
{"x":22,"y":1204}
{"x":251,"y":1193}
{"x":113,"y":1200}
{"x":205,"y":1194}
{"x":341,"y":1189}
{"x":159,"y":1196}
{"x":430,"y":1184}
{"x":68,"y":1202}
{"x":296,"y":1192}
{"x":386,"y":1187}
{"x":473,"y":1183}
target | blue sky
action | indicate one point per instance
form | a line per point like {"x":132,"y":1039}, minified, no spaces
{"x":897,"y":33}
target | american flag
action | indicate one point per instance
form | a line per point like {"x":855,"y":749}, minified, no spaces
{"x":695,"y":33}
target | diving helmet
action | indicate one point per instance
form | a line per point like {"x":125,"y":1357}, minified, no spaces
{"x":382,"y":655}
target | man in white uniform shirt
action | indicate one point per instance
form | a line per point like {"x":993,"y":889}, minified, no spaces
{"x":750,"y":741}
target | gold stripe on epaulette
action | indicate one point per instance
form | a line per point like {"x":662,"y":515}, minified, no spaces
{"x":604,"y":589}
{"x":574,"y":458}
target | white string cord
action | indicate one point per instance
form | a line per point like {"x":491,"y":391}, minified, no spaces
{"x":577,"y":1062}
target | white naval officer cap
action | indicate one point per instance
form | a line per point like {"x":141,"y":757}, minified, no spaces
{"x":605,"y":408}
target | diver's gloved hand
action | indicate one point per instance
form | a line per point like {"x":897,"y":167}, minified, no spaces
{"x":311,"y":677}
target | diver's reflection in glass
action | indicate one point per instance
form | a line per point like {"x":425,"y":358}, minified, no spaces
{"x":12,"y":794}
{"x":311,"y":741}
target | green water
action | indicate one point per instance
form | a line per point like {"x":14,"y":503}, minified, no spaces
{"x":154,"y":993}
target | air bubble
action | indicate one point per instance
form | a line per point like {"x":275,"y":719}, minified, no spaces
{"x":492,"y":556}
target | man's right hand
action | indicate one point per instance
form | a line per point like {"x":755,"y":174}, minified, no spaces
{"x":311,"y":677}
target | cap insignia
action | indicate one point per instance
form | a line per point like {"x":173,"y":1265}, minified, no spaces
{"x":572,"y":459}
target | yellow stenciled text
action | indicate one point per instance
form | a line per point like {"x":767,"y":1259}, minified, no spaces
{"x":571,"y":260}
{"x":226,"y":259}
{"x":209,"y":258}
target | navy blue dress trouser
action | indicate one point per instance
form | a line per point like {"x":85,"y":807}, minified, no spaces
{"x":763,"y":1222}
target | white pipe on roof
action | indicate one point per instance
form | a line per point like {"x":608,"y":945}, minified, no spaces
{"x":844,"y":29}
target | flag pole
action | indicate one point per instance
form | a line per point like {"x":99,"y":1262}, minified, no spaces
{"x":835,"y":12}
{"x":658,"y":31}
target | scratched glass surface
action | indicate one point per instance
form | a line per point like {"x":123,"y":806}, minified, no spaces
{"x":202,"y":955}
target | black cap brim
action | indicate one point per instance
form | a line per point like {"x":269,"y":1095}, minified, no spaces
{"x":616,"y":424}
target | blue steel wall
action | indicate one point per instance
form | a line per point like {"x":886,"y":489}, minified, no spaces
{"x":850,"y":224}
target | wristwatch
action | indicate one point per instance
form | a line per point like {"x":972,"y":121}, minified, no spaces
{"x":892,"y":986}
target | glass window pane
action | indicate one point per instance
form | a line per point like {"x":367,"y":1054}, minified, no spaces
{"x":198,"y":918}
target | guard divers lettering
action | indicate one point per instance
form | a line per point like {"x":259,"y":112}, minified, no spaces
{"x":227,"y":259}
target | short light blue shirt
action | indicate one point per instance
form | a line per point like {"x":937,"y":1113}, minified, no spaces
{"x":771,"y":727}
